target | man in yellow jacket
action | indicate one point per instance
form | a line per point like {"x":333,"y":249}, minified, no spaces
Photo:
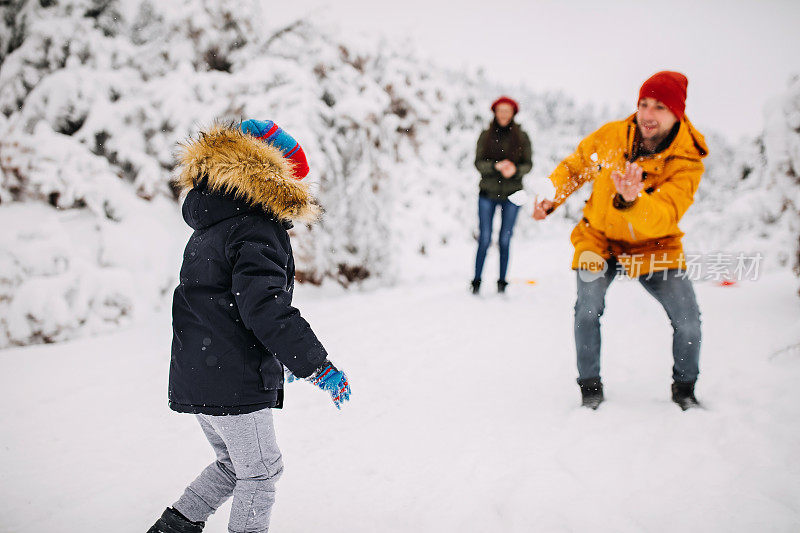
{"x":645,"y":171}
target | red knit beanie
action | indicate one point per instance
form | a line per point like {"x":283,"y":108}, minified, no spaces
{"x":669,"y":88}
{"x":506,"y":100}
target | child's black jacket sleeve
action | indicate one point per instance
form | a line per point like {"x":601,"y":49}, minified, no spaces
{"x":262,"y":285}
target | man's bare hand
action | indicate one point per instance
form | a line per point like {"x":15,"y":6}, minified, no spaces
{"x":541,"y":209}
{"x":630,"y":184}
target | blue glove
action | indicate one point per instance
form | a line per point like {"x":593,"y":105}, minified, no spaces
{"x":332,"y":381}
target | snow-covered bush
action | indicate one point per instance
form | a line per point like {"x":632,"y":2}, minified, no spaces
{"x":96,"y":94}
{"x":782,"y":150}
{"x":749,"y":199}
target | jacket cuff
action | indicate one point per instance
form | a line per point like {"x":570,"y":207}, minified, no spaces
{"x":621,"y":203}
{"x":315,"y":359}
{"x":317,"y":371}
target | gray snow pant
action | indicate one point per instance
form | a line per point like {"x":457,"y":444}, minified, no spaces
{"x":674,"y":292}
{"x":248,"y":465}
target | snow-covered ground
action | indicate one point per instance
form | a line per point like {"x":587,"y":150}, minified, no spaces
{"x":464,"y":415}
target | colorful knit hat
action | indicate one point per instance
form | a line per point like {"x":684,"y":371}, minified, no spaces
{"x":669,"y":88}
{"x":506,"y":100}
{"x":269,"y":132}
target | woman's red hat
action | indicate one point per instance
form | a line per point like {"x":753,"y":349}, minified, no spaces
{"x":506,"y":100}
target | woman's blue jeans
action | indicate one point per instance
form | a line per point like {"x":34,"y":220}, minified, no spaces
{"x":486,"y":210}
{"x":674,"y":292}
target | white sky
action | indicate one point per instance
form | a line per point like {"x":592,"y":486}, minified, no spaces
{"x":736,"y":54}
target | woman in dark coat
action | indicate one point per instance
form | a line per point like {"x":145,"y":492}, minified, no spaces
{"x":503,"y":157}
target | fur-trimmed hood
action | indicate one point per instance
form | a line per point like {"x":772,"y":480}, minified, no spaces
{"x":236,"y":164}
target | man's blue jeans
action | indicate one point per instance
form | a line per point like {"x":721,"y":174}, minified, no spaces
{"x":672,"y":290}
{"x":486,"y":210}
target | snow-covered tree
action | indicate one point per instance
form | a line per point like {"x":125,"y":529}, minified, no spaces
{"x":749,"y":198}
{"x":96,"y":94}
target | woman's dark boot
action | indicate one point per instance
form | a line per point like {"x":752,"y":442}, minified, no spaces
{"x":591,"y":392}
{"x":683,"y":395}
{"x":172,"y":521}
{"x":476,"y":286}
{"x":501,"y":285}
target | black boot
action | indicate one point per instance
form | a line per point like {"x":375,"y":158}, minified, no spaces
{"x":172,"y":521}
{"x":476,"y":286}
{"x":591,"y":392}
{"x":683,"y":395}
{"x":501,"y":285}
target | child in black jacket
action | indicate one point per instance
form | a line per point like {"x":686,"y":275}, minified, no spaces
{"x":234,"y":327}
